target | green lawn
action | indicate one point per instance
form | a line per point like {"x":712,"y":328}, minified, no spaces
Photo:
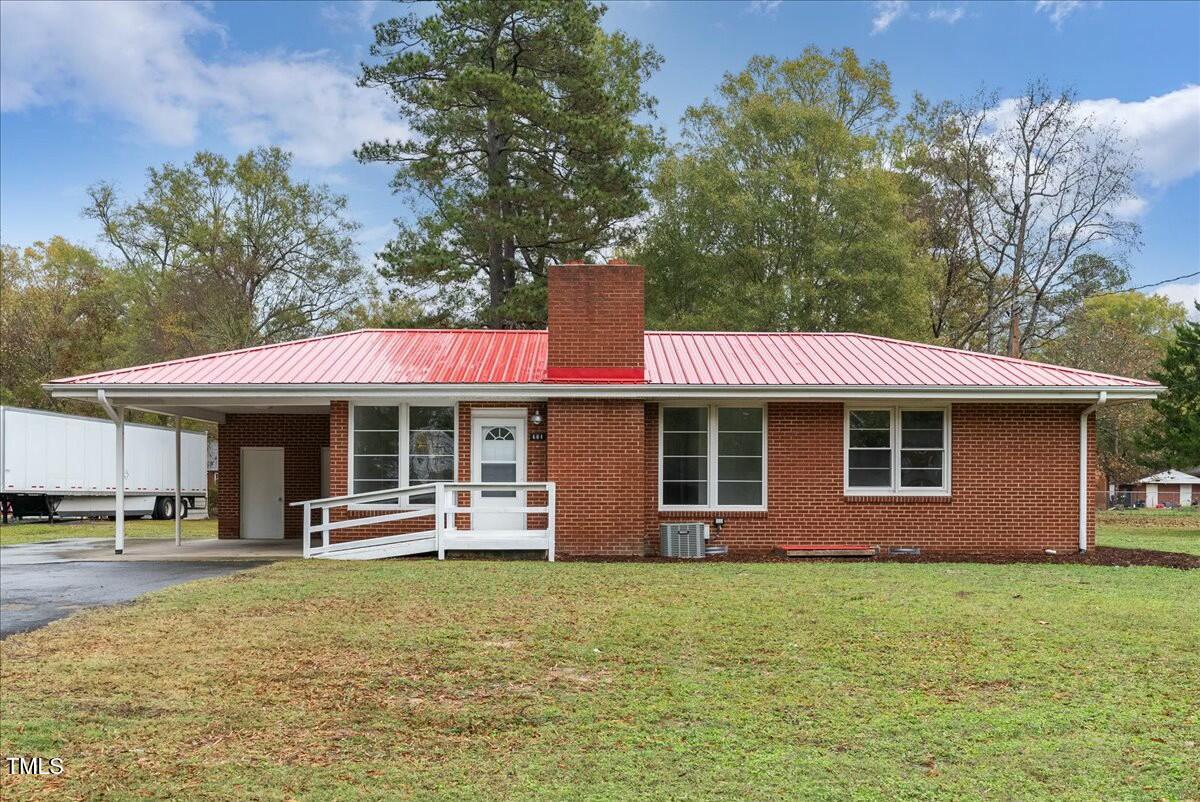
{"x":1161,"y":530}
{"x":23,"y":532}
{"x":465,"y":680}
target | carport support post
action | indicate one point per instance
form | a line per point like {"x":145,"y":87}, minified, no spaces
{"x":117,"y":415}
{"x":120,"y":537}
{"x":178,"y":478}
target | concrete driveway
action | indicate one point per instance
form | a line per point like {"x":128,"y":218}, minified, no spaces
{"x":40,"y":582}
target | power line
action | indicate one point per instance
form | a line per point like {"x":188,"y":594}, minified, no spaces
{"x":1146,"y":286}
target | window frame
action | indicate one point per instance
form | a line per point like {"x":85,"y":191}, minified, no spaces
{"x":405,"y":445}
{"x":894,"y":433}
{"x":713,"y":456}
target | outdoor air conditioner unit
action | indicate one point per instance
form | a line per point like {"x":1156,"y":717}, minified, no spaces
{"x":683,"y":540}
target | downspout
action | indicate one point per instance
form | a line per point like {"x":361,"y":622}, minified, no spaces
{"x":1083,"y":468}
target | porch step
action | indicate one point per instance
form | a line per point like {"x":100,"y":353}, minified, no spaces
{"x":825,"y":550}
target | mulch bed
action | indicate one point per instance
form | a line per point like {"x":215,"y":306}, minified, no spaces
{"x":1098,"y":555}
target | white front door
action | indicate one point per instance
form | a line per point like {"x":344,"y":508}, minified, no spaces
{"x":262,"y":493}
{"x":497,"y":455}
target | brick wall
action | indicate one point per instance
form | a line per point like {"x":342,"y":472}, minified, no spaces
{"x":596,"y":322}
{"x":300,"y":436}
{"x":535,"y":455}
{"x":597,"y":460}
{"x":1168,"y":494}
{"x":1014,"y":478}
{"x":1014,"y":474}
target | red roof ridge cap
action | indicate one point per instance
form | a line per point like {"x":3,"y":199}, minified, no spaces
{"x":414,"y":329}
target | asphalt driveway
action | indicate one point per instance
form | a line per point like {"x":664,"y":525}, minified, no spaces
{"x":32,"y":594}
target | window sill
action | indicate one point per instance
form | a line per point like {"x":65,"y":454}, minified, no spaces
{"x":718,"y":512}
{"x":898,"y":498}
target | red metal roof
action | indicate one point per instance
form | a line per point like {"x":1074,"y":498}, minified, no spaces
{"x":474,"y":356}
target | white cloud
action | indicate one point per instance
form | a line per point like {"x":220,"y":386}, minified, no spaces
{"x":1186,"y":294}
{"x":948,"y":14}
{"x":137,"y":62}
{"x":1165,"y":130}
{"x":349,"y":15}
{"x":1131,"y":208}
{"x":1059,"y":10}
{"x":768,"y":7}
{"x":887,"y":12}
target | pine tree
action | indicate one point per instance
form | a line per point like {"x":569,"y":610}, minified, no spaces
{"x":525,"y":149}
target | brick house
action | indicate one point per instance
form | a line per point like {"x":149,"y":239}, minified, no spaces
{"x":583,"y":439}
{"x":1170,"y":488}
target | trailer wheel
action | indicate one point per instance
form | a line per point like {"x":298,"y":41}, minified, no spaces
{"x":164,"y":508}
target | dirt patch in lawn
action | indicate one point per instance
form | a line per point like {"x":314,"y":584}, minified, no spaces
{"x":1150,"y":519}
{"x":1098,"y":555}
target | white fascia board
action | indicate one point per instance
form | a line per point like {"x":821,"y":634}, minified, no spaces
{"x":294,"y":394}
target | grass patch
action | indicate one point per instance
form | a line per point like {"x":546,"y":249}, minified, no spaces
{"x":410,"y":679}
{"x":1186,"y":541}
{"x":29,"y":532}
{"x":1160,"y":530}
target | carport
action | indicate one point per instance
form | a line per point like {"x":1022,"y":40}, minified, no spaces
{"x":217,"y":405}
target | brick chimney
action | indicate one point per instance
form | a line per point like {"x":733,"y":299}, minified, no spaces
{"x":597,"y":322}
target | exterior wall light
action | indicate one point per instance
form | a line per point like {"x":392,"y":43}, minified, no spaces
{"x":536,"y":417}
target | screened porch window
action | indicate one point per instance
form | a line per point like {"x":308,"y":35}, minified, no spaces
{"x":897,"y":450}
{"x":399,"y":446}
{"x":684,"y":456}
{"x":713,"y":456}
{"x":376,"y":448}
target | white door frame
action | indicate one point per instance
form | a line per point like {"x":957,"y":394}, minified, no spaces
{"x":243,"y":533}
{"x":493,"y":417}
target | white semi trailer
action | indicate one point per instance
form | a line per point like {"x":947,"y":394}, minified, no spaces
{"x":59,"y":465}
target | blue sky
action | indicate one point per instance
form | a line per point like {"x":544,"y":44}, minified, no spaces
{"x":103,"y":90}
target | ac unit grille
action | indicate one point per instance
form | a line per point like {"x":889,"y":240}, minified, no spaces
{"x":683,"y":540}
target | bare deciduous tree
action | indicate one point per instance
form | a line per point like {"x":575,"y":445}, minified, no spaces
{"x":1030,"y":190}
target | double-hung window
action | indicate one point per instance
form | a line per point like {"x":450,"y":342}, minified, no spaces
{"x":401,"y":445}
{"x":897,"y":450}
{"x":713,"y":456}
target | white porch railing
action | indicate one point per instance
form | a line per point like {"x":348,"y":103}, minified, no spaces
{"x":444,"y":534}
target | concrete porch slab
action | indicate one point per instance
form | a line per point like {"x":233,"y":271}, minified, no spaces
{"x":149,"y":549}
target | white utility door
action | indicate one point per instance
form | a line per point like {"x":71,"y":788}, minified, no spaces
{"x":1185,"y":495}
{"x":262,"y":493}
{"x":1151,"y":496}
{"x":498,"y":455}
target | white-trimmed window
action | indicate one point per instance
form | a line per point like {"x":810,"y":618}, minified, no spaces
{"x":712,"y":457}
{"x":897,"y":450}
{"x":401,"y":445}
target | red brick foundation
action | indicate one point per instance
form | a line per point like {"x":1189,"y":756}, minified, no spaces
{"x":301,"y":436}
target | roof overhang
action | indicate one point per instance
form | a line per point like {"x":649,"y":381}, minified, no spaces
{"x":205,"y":401}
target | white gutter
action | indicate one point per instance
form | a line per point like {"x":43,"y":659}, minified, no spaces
{"x":1083,"y":468}
{"x":201,"y":394}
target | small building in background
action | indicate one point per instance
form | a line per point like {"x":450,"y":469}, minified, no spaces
{"x":1170,"y":488}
